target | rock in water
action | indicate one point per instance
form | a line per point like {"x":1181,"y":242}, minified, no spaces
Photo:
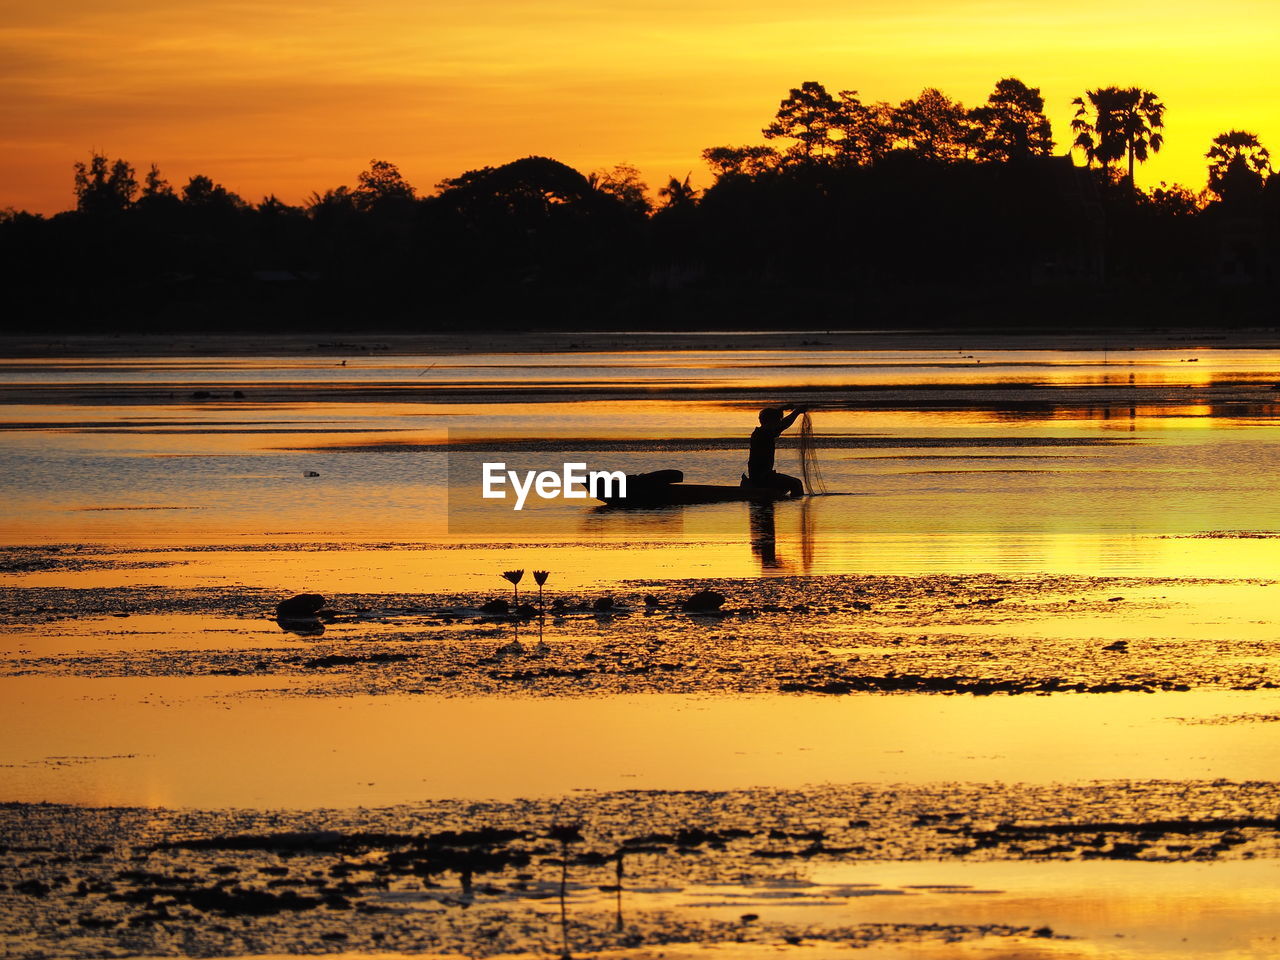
{"x":704,"y":601}
{"x":301,"y":626}
{"x":651,"y":601}
{"x":302,"y":605}
{"x":496,"y":607}
{"x":602,"y":604}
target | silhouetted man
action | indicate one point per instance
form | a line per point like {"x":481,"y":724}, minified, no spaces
{"x":764,"y":438}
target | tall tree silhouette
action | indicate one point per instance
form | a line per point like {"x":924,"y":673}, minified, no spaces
{"x":751,"y":161}
{"x":334,"y":205}
{"x":534,"y":223}
{"x":935,"y":126}
{"x":380,"y":185}
{"x":1236,"y":156}
{"x":807,"y":116}
{"x":102,"y":186}
{"x":623,"y":183}
{"x":202,"y":192}
{"x":1111,"y":123}
{"x":154,"y":185}
{"x":864,"y":131}
{"x":1012,"y":122}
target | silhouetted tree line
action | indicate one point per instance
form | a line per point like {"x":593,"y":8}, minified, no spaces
{"x":852,"y":213}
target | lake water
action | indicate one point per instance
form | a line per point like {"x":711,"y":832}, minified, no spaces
{"x":999,"y":459}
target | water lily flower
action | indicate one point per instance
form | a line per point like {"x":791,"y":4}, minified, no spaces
{"x":515,"y":577}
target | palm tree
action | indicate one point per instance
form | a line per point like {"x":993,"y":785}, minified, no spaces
{"x":1236,"y":150}
{"x":1114,"y":122}
{"x":678,"y":194}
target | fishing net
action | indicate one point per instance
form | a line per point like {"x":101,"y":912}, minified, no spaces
{"x":810,"y":473}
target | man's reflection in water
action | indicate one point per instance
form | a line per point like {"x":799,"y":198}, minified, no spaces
{"x":806,"y":535}
{"x":764,"y":536}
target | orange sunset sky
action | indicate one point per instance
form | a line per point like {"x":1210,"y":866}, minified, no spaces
{"x":291,"y":97}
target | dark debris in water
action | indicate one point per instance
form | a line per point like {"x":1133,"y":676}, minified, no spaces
{"x":71,"y":558}
{"x":832,"y":635}
{"x":1228,"y":535}
{"x":484,"y":878}
{"x":1232,"y":718}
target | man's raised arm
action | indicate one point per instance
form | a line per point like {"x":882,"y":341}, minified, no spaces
{"x":790,"y":418}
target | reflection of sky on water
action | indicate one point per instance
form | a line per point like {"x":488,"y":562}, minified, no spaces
{"x":1060,"y":487}
{"x":168,"y":733}
{"x":1148,"y":910}
{"x":718,"y":367}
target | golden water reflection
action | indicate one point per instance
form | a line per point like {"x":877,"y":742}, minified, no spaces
{"x":471,"y":570}
{"x":159,"y":741}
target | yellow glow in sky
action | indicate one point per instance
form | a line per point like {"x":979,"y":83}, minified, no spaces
{"x":288,"y":98}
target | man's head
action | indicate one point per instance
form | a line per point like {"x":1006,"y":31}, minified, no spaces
{"x":770,"y":415}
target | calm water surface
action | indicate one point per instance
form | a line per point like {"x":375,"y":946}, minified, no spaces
{"x":1123,"y":456}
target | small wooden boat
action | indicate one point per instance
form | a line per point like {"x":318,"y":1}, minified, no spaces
{"x":667,"y":488}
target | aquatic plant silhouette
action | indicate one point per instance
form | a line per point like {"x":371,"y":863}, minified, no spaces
{"x":617,"y":923}
{"x":514,"y":577}
{"x":541,"y":649}
{"x":513,"y":647}
{"x":565,"y":834}
{"x":540,"y":578}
